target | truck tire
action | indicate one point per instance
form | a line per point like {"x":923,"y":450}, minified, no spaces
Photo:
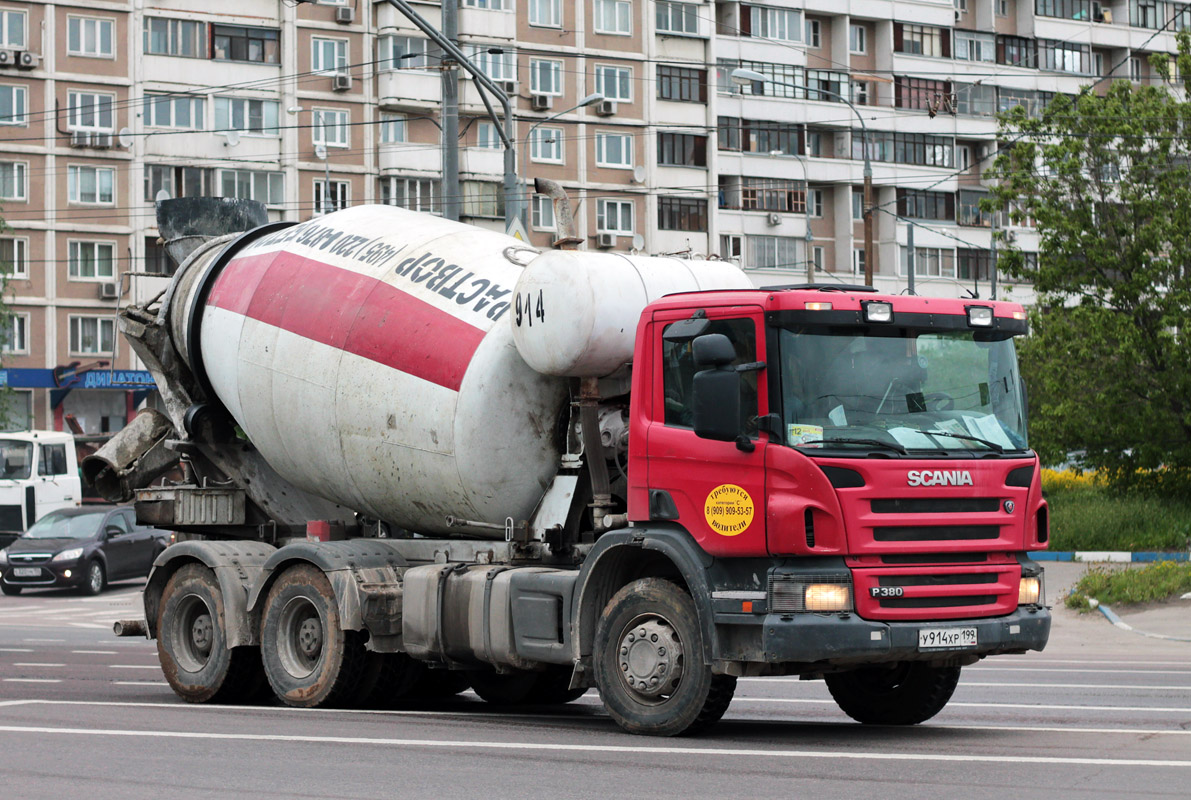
{"x":192,"y":644}
{"x":309,"y":659}
{"x":648,"y":662}
{"x":905,"y":693}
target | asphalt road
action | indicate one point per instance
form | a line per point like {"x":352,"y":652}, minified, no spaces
{"x":1101,"y":713}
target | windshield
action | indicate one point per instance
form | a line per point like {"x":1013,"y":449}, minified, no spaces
{"x":902,"y":389}
{"x":61,"y":526}
{"x":16,"y":459}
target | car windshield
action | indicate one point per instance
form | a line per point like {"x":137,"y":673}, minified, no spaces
{"x":901,"y":389}
{"x":16,"y":459}
{"x":63,"y":526}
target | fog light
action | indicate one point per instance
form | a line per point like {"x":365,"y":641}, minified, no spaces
{"x":66,"y":573}
{"x":1029,"y":592}
{"x":828,"y":597}
{"x":818,"y":306}
{"x":876,"y":311}
{"x":980,"y":316}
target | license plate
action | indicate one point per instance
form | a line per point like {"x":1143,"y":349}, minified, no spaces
{"x":26,"y":572}
{"x":946,"y":638}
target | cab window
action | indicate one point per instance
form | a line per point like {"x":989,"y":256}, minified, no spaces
{"x":678,"y":371}
{"x":53,"y":460}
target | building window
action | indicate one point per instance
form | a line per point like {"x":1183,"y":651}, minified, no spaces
{"x":814,"y":143}
{"x":157,"y":258}
{"x":13,"y":105}
{"x":814,"y":199}
{"x":858,"y":260}
{"x":1144,"y":13}
{"x":264,"y":187}
{"x":393,"y":129}
{"x":545,"y":77}
{"x":177,"y":181}
{"x":12,"y":180}
{"x":416,"y":194}
{"x":857,"y":204}
{"x":973,"y":264}
{"x":916,"y":204}
{"x":91,"y":260}
{"x":12,"y":29}
{"x":614,"y":83}
{"x":545,"y":13}
{"x":682,"y":214}
{"x":969,"y":209}
{"x":614,"y":16}
{"x":498,"y":66}
{"x":174,"y":111}
{"x":860,"y":92}
{"x":334,"y":200}
{"x":974,"y":98}
{"x":921,"y":40}
{"x":1066,"y":9}
{"x":541,"y":213}
{"x":330,"y":127}
{"x":905,"y":148}
{"x":817,"y":257}
{"x":483,"y":199}
{"x":858,"y":39}
{"x":16,"y":334}
{"x":1062,"y":56}
{"x":772,"y":252}
{"x":489,"y":5}
{"x":770,"y":194}
{"x":238,"y":43}
{"x":760,"y":136}
{"x":677,"y":18}
{"x":614,"y":150}
{"x":781,"y":79}
{"x":920,"y":93}
{"x":826,"y":86}
{"x":90,"y":111}
{"x":249,"y":116}
{"x":328,"y":55}
{"x":1016,"y":51}
{"x":14,"y":256}
{"x":175,"y":37}
{"x":487,"y":136}
{"x":963,"y":158}
{"x":88,"y":36}
{"x":92,"y":335}
{"x":545,"y":145}
{"x":405,"y":52}
{"x":1135,"y":69}
{"x":814,"y":33}
{"x":1002,"y":7}
{"x":971,"y":46}
{"x":91,"y":185}
{"x":929,"y":262}
{"x":781,"y":24}
{"x":615,"y":216}
{"x":682,"y":150}
{"x":731,"y":246}
{"x":682,"y":84}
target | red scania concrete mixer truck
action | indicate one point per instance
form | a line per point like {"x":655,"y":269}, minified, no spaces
{"x":417,"y":449}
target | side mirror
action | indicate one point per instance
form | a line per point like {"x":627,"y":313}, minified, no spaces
{"x":112,"y":530}
{"x":715,"y":391}
{"x":713,"y":350}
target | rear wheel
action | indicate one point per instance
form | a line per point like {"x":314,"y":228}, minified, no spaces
{"x":93,"y":579}
{"x":648,"y":662}
{"x":192,"y":643}
{"x":309,"y":659}
{"x":9,"y":589}
{"x":904,"y":693}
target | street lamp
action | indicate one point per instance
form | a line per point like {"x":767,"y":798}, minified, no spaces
{"x":743,"y":77}
{"x":320,"y":150}
{"x":806,"y":204}
{"x":590,"y":100}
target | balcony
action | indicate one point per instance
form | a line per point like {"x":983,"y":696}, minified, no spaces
{"x":409,"y":88}
{"x":420,"y":157}
{"x":486,"y":161}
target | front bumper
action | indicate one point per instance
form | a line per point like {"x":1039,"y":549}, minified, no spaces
{"x":53,"y":574}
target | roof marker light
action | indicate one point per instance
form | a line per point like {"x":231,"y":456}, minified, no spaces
{"x":877,"y":311}
{"x":818,"y":306}
{"x":980,"y":316}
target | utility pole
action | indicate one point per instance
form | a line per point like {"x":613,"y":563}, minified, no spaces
{"x":911,"y":256}
{"x":992,"y":260}
{"x":868,"y":210}
{"x":451,"y":190}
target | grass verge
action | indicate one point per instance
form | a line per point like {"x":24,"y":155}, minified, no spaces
{"x":1159,"y":581}
{"x":1088,"y":518}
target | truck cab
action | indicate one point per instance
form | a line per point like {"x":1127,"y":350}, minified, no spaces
{"x":38,"y":474}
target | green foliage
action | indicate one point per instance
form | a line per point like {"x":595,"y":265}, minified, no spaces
{"x":1159,"y":581}
{"x":1107,"y":179}
{"x":1094,"y":519}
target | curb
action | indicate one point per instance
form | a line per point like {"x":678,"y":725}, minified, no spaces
{"x":1111,"y":616}
{"x":1116,"y":556}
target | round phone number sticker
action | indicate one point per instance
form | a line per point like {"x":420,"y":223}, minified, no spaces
{"x":729,"y":509}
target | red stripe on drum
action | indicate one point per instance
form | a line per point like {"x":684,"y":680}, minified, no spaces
{"x":351,"y":312}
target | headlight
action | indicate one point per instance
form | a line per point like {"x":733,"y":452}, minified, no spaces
{"x":980,"y":316}
{"x":828,"y":597}
{"x":813,"y":593}
{"x":72,"y":554}
{"x":1029,"y":592}
{"x":3,"y":557}
{"x":877,"y":311}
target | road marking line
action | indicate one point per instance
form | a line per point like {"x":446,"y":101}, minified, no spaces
{"x":52,"y":641}
{"x":636,"y":750}
{"x":16,"y":649}
{"x":1029,"y":660}
{"x":35,"y":664}
{"x":1067,"y":669}
{"x":32,"y":680}
{"x":963,"y":682}
{"x":1027,"y":706}
{"x":87,"y":625}
{"x":6,"y":703}
{"x":135,"y":666}
{"x":138,"y":683}
{"x":95,"y":652}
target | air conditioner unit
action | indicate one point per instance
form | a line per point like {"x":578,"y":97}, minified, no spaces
{"x":101,"y":140}
{"x":109,"y":291}
{"x":341,"y":83}
{"x":605,"y":241}
{"x":80,"y":139}
{"x":27,"y":60}
{"x":958,"y":14}
{"x":9,"y":58}
{"x":508,"y":87}
{"x":541,"y":102}
{"x":773,"y":218}
{"x":345,"y":15}
{"x":606,"y":108}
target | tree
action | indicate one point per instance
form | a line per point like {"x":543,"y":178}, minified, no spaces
{"x":1107,"y":180}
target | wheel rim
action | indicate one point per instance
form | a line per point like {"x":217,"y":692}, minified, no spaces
{"x":301,"y":634}
{"x":193,"y":633}
{"x":650,"y":659}
{"x":95,"y":578}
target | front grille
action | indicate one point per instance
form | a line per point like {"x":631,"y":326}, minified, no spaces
{"x":11,"y":518}
{"x":787,"y":593}
{"x":938,"y":580}
{"x":942,"y":533}
{"x":936,"y":505}
{"x":21,"y":559}
{"x":938,"y":602}
{"x":935,"y":558}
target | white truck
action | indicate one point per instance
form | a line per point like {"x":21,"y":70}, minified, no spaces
{"x":38,"y":474}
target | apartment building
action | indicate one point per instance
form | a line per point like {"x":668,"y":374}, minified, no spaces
{"x":311,"y":106}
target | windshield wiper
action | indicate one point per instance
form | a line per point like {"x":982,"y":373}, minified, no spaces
{"x":992,"y":445}
{"x":870,"y":442}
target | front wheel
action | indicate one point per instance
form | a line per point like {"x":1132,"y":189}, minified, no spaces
{"x":904,"y":693}
{"x":94,"y":579}
{"x":648,"y":662}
